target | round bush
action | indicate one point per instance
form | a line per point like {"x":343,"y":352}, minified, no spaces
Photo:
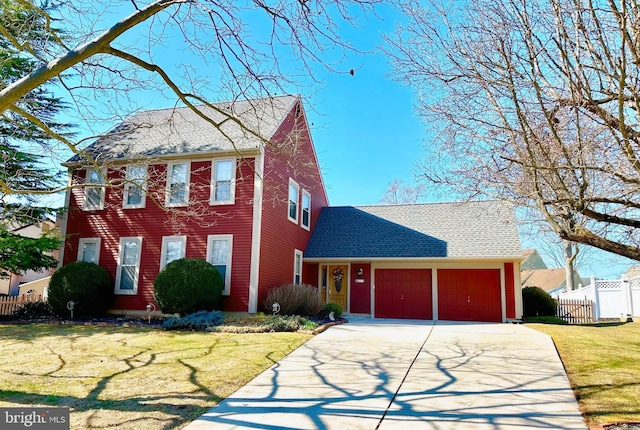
{"x":88,"y":285}
{"x":331,"y":307}
{"x":537,"y":302}
{"x":186,"y":286}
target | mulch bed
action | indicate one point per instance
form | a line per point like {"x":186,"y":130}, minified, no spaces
{"x":136,"y":321}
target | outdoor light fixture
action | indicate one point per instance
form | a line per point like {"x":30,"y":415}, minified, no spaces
{"x":70,"y":305}
{"x":150,"y":308}
{"x":275,"y":308}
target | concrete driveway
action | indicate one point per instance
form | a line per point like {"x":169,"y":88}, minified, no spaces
{"x":397,"y":374}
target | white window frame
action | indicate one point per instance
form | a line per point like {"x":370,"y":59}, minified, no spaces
{"x":305,"y":208}
{"x":293,"y":184}
{"x":229,"y":238}
{"x":101,"y":173}
{"x":142,"y":184}
{"x":297,"y":267}
{"x":165,"y":244}
{"x":214,"y":182}
{"x":96,"y":241}
{"x":117,"y":289}
{"x":187,"y":183}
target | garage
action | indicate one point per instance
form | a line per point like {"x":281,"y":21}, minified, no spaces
{"x":403,"y":293}
{"x":469,"y":295}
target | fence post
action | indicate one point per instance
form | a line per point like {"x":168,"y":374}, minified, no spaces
{"x":596,"y":298}
{"x":626,"y":290}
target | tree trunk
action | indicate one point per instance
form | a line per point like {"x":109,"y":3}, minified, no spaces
{"x":570,"y":254}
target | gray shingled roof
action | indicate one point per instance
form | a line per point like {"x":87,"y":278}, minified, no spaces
{"x":166,"y":132}
{"x":485,"y":229}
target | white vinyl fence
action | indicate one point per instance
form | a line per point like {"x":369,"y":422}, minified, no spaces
{"x":611,"y":298}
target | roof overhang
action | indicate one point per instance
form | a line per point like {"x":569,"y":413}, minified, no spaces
{"x":163,"y":158}
{"x":505,"y":258}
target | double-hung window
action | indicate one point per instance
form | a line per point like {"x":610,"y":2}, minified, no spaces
{"x":297,"y":267}
{"x":94,"y":191}
{"x":89,"y":250}
{"x":219,"y":248}
{"x":306,"y":210}
{"x":128,"y":269}
{"x":177,"y":192}
{"x":134,"y":187}
{"x":173,"y":248}
{"x":294,"y":192}
{"x":223,"y":181}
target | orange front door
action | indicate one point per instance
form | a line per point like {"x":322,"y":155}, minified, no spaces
{"x":337,"y":291}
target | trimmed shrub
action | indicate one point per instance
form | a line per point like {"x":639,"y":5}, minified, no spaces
{"x":33,"y":310}
{"x":302,"y":300}
{"x":186,"y":286}
{"x":88,"y":285}
{"x":265,"y":324}
{"x":537,"y":302}
{"x":198,"y":321}
{"x":331,"y":307}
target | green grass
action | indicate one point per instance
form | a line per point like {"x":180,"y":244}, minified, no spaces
{"x":134,"y":378}
{"x":603,"y":365}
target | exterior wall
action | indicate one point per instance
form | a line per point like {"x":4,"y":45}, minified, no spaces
{"x":290,"y":156}
{"x":509,"y":288}
{"x":153,"y":222}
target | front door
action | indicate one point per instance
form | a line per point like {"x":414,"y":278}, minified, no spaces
{"x":338,"y":286}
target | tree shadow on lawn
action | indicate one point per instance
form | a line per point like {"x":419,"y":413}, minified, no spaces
{"x":28,"y":331}
{"x":159,"y":409}
{"x":176,"y":394}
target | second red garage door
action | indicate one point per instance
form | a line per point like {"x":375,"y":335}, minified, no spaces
{"x":469,"y":295}
{"x":403,"y":293}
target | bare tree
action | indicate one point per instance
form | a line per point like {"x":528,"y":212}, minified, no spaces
{"x":401,"y":193}
{"x":182,"y":52}
{"x":536,"y":102}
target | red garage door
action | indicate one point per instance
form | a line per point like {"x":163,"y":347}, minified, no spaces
{"x":469,"y":295}
{"x":403,"y":293}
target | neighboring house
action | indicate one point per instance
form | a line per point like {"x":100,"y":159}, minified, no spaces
{"x":11,"y":285}
{"x":447,"y":261}
{"x":244,"y":196}
{"x":532,"y":260}
{"x":553,"y":281}
{"x":632,"y":272}
{"x":252,"y":202}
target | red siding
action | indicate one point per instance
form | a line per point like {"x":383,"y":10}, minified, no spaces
{"x":287,"y":158}
{"x":509,"y":285}
{"x":153,"y":222}
{"x":360,"y":291}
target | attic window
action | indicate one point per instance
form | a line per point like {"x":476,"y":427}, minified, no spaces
{"x":294,"y":198}
{"x":298,"y":110}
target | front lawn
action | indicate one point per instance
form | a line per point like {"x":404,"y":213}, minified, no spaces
{"x":603,"y":365}
{"x":134,"y":378}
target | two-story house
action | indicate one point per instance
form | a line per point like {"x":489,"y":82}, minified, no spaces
{"x":241,"y":188}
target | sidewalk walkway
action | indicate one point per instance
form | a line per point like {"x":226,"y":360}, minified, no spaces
{"x":397,"y":374}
